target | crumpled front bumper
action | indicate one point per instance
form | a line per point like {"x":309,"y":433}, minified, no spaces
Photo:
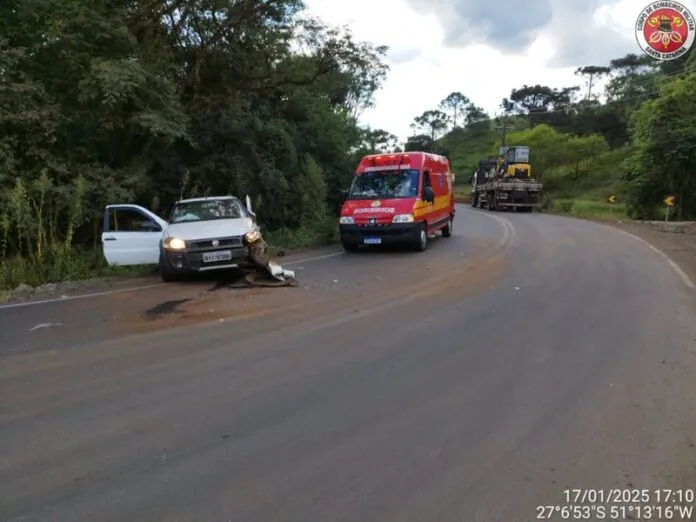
{"x":251,"y":256}
{"x":258,"y":255}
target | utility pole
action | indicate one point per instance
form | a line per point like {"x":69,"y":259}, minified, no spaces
{"x":503,"y":140}
{"x":503,"y":128}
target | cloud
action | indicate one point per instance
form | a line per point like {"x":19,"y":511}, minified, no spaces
{"x":402,"y":56}
{"x":570,"y":27}
{"x":508,"y":25}
{"x":583,"y":33}
{"x":434,"y":50}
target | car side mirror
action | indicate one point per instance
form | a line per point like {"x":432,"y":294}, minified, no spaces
{"x":248,"y":206}
{"x":345,"y":194}
{"x":428,"y":195}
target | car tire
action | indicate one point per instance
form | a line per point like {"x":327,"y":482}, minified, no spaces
{"x":167,"y":275}
{"x":349,"y":247}
{"x":422,"y":238}
{"x":447,"y":231}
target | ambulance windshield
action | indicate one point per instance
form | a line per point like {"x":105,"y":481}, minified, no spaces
{"x":388,"y":184}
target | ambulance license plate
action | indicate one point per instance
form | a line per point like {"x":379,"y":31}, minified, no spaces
{"x":213,"y":257}
{"x":373,"y":241}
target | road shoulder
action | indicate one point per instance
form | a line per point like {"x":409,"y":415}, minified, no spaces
{"x":676,"y":240}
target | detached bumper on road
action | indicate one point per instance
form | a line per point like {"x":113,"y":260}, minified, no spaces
{"x":390,"y":234}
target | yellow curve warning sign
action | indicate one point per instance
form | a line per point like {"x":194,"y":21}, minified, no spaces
{"x":670,"y":201}
{"x":612,"y":199}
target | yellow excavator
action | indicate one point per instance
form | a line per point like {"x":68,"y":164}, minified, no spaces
{"x":506,"y":182}
{"x":514,"y":163}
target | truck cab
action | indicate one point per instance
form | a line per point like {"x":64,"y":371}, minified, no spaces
{"x":399,"y":198}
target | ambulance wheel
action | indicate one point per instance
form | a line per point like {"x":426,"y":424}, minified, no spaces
{"x":422,"y":240}
{"x":447,"y":231}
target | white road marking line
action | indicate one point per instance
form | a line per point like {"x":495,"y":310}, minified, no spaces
{"x":316,"y":258}
{"x":135,"y":288}
{"x":44,"y":325}
{"x":682,"y":275}
{"x":509,"y":231}
{"x":81,"y":296}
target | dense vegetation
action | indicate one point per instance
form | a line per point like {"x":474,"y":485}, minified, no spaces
{"x":639,"y":144}
{"x":148,"y":101}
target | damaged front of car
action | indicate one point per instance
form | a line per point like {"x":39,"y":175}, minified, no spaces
{"x":205,"y":234}
{"x":260,"y":260}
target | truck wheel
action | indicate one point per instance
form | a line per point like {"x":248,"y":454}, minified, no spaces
{"x":474,"y":201}
{"x":422,"y":240}
{"x":447,"y":231}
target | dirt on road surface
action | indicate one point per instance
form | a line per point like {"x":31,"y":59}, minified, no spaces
{"x":523,"y":356}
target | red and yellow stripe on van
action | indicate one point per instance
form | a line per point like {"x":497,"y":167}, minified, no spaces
{"x":422,"y":208}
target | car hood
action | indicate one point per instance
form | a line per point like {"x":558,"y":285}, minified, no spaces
{"x":210,"y":229}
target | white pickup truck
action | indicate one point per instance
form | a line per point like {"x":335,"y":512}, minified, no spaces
{"x":201,"y":234}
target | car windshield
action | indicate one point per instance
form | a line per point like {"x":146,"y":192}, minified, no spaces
{"x":385,"y":185}
{"x":207,"y":210}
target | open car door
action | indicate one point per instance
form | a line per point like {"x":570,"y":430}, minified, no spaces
{"x":131,"y":235}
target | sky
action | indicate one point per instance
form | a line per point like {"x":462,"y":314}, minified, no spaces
{"x":483,"y":49}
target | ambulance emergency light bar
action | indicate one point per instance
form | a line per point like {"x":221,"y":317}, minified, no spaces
{"x":387,"y":167}
{"x":391,"y":162}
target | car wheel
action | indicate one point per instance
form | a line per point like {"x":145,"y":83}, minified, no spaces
{"x":167,"y":275}
{"x":447,"y":231}
{"x":350,"y":247}
{"x":422,"y":241}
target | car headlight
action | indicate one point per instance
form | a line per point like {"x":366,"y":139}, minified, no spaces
{"x":403,"y":218}
{"x":174,"y":243}
{"x":347,"y":220}
{"x":252,"y":236}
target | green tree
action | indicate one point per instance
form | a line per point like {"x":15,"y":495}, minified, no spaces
{"x":664,"y":137}
{"x":455,"y":106}
{"x":592,"y":73}
{"x":433,"y":122}
{"x":548,"y":148}
{"x":147,"y":101}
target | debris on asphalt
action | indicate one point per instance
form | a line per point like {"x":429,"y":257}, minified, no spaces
{"x":267,"y":272}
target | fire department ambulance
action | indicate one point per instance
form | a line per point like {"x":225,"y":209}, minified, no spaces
{"x":400,"y":198}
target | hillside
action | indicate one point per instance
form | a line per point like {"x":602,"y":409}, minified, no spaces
{"x":637,"y":145}
{"x":579,"y":173}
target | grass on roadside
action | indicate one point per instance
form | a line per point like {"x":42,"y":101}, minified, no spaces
{"x":62,"y":265}
{"x":585,"y":208}
{"x":325,"y":232}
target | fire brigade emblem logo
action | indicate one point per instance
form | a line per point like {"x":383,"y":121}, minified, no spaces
{"x":376,"y":204}
{"x":665,"y":30}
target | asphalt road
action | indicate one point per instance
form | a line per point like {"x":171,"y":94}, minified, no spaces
{"x":476,"y":381}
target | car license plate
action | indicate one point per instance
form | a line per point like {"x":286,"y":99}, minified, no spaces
{"x":213,"y":257}
{"x":372,"y":241}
